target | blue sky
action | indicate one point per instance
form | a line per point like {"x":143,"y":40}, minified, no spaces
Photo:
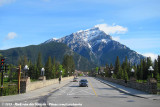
{"x":31,"y":22}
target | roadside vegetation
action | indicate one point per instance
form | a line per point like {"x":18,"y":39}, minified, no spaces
{"x":53,"y":69}
{"x":126,"y":70}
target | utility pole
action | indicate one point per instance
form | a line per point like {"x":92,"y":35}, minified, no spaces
{"x":19,"y":77}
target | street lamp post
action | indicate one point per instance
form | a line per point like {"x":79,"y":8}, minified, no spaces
{"x":42,"y":71}
{"x":132,"y":70}
{"x":151,"y":70}
{"x":104,"y":74}
{"x":61,"y":73}
{"x":132,"y":75}
{"x":25,"y":69}
{"x":112,"y":73}
{"x":68,"y":73}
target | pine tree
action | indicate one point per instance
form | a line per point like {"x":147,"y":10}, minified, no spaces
{"x":57,"y":69}
{"x":32,"y":71}
{"x":111,"y":66}
{"x":149,"y":63}
{"x":117,"y":65}
{"x":54,"y":68}
{"x":141,"y":69}
{"x":48,"y":68}
{"x":125,"y":64}
{"x":39,"y":65}
{"x":159,"y":64}
{"x":158,"y":77}
{"x":144,"y":69}
{"x":72,"y":64}
{"x":155,"y":68}
{"x":68,"y":64}
{"x":120,"y":74}
{"x":125,"y":75}
{"x":138,"y":72}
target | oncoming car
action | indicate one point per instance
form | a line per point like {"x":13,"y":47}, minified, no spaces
{"x":75,"y":80}
{"x":83,"y":83}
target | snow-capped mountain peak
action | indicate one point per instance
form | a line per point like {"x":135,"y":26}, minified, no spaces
{"x":89,"y":34}
{"x":97,"y":46}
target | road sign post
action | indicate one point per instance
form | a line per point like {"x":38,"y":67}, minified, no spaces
{"x":19,"y":77}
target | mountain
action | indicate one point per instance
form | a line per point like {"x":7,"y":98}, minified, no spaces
{"x":53,"y":49}
{"x":98,"y":47}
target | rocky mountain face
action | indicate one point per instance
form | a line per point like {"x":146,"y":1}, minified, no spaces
{"x":98,"y":47}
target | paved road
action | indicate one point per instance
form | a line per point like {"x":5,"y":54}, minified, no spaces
{"x":96,"y":95}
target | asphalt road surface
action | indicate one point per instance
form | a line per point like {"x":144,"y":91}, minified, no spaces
{"x":96,"y":94}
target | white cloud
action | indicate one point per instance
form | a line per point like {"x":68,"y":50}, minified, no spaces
{"x":2,"y":2}
{"x":114,"y":29}
{"x":152,"y":55}
{"x":116,"y":38}
{"x":11,"y":35}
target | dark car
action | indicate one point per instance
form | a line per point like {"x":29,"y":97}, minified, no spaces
{"x":83,"y":83}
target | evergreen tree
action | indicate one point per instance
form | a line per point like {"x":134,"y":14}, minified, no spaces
{"x":54,"y":68}
{"x":57,"y":69}
{"x":155,"y":68}
{"x":120,"y":74}
{"x":72,"y":64}
{"x":111,"y":66}
{"x":125,"y":75}
{"x":158,"y":77}
{"x":141,"y":69}
{"x":117,"y":65}
{"x":48,"y":68}
{"x":68,"y":64}
{"x":159,"y":64}
{"x":39,"y":65}
{"x":149,"y":63}
{"x":30,"y":69}
{"x":138,"y":72}
{"x":125,"y":64}
{"x":144,"y":69}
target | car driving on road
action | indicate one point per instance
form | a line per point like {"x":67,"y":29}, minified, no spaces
{"x":83,"y":82}
{"x":75,"y":80}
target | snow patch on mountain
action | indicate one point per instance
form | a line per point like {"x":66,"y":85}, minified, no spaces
{"x":88,"y":34}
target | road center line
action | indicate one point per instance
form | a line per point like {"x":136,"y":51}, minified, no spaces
{"x":92,"y":88}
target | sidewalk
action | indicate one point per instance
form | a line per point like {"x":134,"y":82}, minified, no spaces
{"x":130,"y":91}
{"x":35,"y":93}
